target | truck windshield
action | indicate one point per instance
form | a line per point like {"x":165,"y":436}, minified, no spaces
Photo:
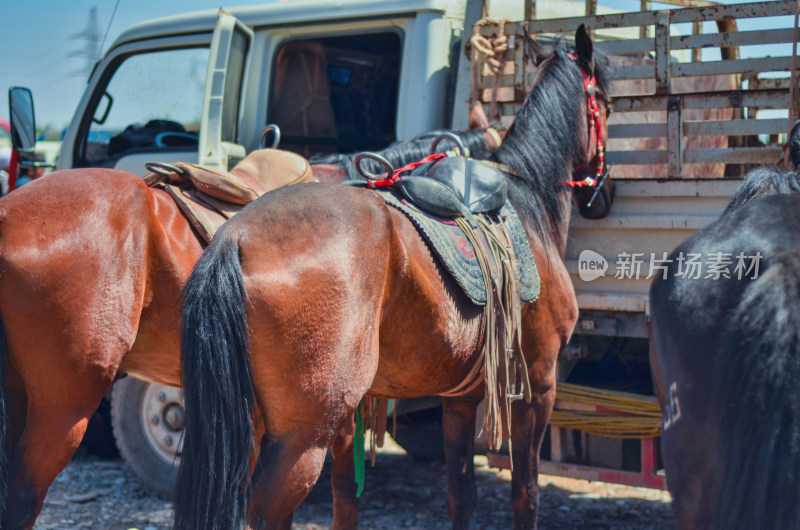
{"x":153,"y":102}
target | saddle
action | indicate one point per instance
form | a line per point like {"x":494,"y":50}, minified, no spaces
{"x":456,"y":186}
{"x":460,"y":207}
{"x":208,"y":197}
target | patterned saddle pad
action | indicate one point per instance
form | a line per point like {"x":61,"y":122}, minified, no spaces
{"x":457,"y":255}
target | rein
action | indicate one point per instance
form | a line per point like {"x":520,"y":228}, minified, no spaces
{"x":395,"y":175}
{"x":590,"y":87}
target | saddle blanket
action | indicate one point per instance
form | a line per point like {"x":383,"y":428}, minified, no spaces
{"x":457,"y":254}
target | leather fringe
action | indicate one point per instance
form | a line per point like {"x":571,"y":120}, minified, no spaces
{"x":504,"y":367}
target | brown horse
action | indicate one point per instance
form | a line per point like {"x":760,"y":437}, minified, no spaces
{"x":291,"y":332}
{"x":726,"y":360}
{"x":92,"y":264}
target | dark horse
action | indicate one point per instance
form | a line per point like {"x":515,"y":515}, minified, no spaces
{"x":92,"y":265}
{"x":291,"y":332}
{"x":726,"y":362}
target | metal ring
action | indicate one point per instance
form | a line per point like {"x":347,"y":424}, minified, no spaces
{"x":276,"y":131}
{"x":160,"y":168}
{"x":453,"y":138}
{"x":377,"y":158}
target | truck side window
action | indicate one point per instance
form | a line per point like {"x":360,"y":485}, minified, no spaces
{"x":336,"y":94}
{"x":152,"y":102}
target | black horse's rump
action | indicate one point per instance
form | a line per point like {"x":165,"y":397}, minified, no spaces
{"x":759,"y":392}
{"x":730,"y":348}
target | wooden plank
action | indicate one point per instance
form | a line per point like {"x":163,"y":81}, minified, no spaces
{"x":739,"y":66}
{"x":644,"y":71}
{"x":663,"y":70}
{"x":741,"y":38}
{"x":637,"y":130}
{"x":733,"y":155}
{"x":718,"y":12}
{"x":647,"y":18}
{"x":768,"y":83}
{"x":569,"y":25}
{"x":609,"y":47}
{"x":732,"y":127}
{"x":642,"y":156}
{"x":505,"y":81}
{"x":699,"y":128}
{"x":675,"y":141}
{"x":706,"y":100}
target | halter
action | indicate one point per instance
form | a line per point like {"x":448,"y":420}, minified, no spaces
{"x":590,"y":87}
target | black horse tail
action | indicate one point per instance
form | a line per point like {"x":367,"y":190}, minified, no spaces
{"x":5,"y":442}
{"x":213,"y":475}
{"x":760,"y":388}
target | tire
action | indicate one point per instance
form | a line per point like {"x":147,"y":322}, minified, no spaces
{"x":420,"y":434}
{"x":147,"y":420}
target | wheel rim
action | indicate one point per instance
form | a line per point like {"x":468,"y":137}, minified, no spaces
{"x":162,"y":415}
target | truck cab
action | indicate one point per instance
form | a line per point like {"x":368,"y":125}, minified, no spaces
{"x":201,"y":87}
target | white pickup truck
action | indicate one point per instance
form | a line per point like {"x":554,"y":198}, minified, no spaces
{"x":344,"y":76}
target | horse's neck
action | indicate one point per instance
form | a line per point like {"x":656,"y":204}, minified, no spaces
{"x":561,"y":237}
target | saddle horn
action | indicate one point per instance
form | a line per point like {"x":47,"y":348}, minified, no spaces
{"x":276,"y":131}
{"x":453,"y":138}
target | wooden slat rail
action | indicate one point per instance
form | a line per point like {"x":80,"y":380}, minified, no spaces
{"x":662,"y":90}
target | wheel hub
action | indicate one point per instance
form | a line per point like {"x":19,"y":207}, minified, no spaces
{"x":162,"y":417}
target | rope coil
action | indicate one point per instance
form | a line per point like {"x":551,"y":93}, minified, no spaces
{"x":492,"y":50}
{"x":620,"y":414}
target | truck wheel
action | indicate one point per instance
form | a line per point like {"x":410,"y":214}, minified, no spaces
{"x":420,"y":434}
{"x":148,"y":425}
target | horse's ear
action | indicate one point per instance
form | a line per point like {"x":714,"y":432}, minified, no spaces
{"x":584,"y":48}
{"x":536,"y":52}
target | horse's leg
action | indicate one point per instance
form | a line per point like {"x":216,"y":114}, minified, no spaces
{"x":53,"y":430}
{"x":343,"y":478}
{"x":286,"y":471}
{"x":458,"y":421}
{"x":528,"y":423}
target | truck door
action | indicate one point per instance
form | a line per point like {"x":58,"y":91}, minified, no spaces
{"x":170,"y":99}
{"x":227,"y":70}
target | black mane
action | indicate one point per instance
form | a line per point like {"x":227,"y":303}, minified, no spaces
{"x":763,"y":181}
{"x":545,"y":134}
{"x":404,"y":152}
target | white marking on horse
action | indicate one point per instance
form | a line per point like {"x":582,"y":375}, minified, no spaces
{"x":672,"y":408}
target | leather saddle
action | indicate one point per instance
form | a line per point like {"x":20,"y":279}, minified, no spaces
{"x":208,"y":197}
{"x":455,"y":187}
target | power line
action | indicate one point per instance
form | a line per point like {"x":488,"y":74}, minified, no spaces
{"x":108,"y":28}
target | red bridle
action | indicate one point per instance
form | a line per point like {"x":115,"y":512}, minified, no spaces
{"x":590,"y":87}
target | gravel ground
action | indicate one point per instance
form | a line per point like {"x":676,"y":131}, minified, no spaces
{"x":399,"y":493}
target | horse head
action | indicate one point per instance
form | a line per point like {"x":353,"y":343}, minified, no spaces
{"x":592,"y":187}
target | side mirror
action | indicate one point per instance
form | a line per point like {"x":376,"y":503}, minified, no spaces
{"x":23,"y":123}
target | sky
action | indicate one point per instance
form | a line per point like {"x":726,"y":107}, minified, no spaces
{"x":38,"y":48}
{"x":37,"y":41}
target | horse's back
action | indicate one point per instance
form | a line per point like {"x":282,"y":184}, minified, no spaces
{"x":717,"y":340}
{"x":338,"y":255}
